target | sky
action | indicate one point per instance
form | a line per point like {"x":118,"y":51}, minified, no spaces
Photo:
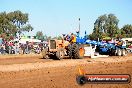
{"x":57,"y":17}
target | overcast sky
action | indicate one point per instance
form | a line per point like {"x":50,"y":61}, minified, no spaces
{"x":56,"y":17}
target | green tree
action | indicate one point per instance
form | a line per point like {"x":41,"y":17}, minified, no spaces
{"x":105,"y":26}
{"x":40,"y":35}
{"x":112,"y":25}
{"x":92,"y":36}
{"x":126,"y":30}
{"x":49,"y":38}
{"x":20,"y":20}
{"x":45,"y":38}
{"x":58,"y":37}
{"x":99,"y":25}
{"x":14,"y":22}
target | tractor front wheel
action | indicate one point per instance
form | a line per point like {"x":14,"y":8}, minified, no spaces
{"x":60,"y":53}
{"x":44,"y":54}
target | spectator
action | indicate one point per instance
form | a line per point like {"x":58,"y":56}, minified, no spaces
{"x":130,"y":48}
{"x":10,"y":47}
{"x":2,"y":49}
{"x":26,"y":47}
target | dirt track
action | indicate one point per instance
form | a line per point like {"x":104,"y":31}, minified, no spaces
{"x":31,"y":71}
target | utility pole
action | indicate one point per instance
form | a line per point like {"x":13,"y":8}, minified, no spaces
{"x":79,"y":25}
{"x":78,"y":31}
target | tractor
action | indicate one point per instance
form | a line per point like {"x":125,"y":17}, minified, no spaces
{"x":117,"y":49}
{"x":114,"y":49}
{"x":60,"y":49}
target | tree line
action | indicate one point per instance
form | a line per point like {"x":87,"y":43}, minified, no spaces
{"x":41,"y":36}
{"x":12,"y":23}
{"x":107,"y":26}
{"x":17,"y":22}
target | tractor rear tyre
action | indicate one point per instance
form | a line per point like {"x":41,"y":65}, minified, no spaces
{"x":69,"y":51}
{"x":78,"y":51}
{"x":60,"y":53}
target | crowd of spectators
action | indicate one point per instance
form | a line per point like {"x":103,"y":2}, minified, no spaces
{"x":20,"y":48}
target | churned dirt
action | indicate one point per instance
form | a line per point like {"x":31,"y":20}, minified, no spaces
{"x":31,"y":71}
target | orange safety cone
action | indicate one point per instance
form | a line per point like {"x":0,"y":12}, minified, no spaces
{"x":81,"y":71}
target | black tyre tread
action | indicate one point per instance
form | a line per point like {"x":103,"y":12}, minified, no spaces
{"x":70,"y":50}
{"x":76,"y":51}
